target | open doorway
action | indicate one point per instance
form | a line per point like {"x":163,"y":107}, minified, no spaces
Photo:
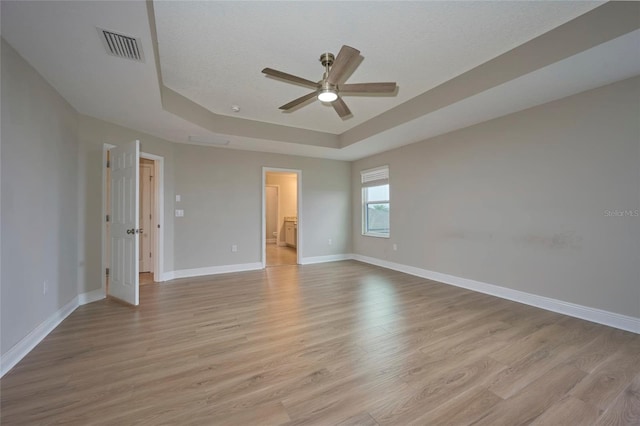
{"x":281,"y":229}
{"x":147,"y":218}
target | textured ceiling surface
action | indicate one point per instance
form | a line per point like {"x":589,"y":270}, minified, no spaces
{"x":213,"y":52}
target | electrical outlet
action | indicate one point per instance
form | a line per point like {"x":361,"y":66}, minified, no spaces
{"x":178,"y":198}
{"x":395,"y":247}
{"x":45,"y":286}
{"x":330,"y":241}
{"x":234,"y":248}
{"x":179,"y":213}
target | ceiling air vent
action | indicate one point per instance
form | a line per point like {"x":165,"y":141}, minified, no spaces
{"x":121,"y":45}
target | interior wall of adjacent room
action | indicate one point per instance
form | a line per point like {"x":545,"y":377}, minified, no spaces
{"x":271,"y":213}
{"x":39,"y":198}
{"x":147,"y":214}
{"x":521,"y":201}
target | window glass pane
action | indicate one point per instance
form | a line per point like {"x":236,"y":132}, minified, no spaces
{"x":378,"y":217}
{"x":378,"y":193}
{"x":375,"y":203}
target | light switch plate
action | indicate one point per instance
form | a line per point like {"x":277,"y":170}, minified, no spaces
{"x":179,"y":213}
{"x":178,"y":198}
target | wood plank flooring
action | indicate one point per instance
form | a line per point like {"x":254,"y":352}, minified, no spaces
{"x":343,"y":343}
{"x":281,"y":255}
{"x":145,"y":278}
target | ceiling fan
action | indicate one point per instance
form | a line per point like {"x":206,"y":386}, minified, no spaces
{"x":331,"y":86}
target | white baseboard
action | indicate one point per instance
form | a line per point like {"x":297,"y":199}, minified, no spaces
{"x":31,"y":340}
{"x":26,"y":345}
{"x":91,"y":296}
{"x":599,"y":316}
{"x":327,"y":258}
{"x":270,"y":240}
{"x":210,"y":270}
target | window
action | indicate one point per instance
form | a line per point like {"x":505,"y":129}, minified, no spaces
{"x":375,"y":201}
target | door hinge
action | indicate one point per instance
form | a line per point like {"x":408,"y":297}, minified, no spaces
{"x":107,"y":218}
{"x":107,"y":271}
{"x":108,"y":164}
{"x":149,"y":255}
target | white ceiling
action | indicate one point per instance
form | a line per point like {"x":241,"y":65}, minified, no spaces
{"x":212,"y":53}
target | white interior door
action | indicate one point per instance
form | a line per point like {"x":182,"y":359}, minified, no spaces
{"x":123,"y":273}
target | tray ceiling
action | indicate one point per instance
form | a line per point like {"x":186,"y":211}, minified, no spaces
{"x":456,"y":64}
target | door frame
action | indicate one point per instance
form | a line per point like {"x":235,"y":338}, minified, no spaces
{"x":299,"y":241}
{"x":159,"y":209}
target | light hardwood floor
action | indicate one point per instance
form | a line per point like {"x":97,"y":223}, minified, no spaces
{"x":145,"y":278}
{"x":339,"y":343}
{"x":281,"y":255}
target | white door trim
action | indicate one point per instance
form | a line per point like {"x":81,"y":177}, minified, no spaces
{"x":299,"y":243}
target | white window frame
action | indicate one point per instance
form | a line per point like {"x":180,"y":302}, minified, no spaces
{"x":376,"y":176}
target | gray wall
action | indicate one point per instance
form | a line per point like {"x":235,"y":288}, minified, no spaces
{"x":39,"y":200}
{"x":521,"y":201}
{"x":221,"y":195}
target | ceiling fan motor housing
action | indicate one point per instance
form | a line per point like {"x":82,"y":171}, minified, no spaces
{"x":326,"y":59}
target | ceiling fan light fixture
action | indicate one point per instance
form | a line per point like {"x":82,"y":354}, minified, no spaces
{"x":327,"y":90}
{"x":327,"y":95}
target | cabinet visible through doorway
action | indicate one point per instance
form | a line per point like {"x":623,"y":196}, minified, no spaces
{"x":290,"y":233}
